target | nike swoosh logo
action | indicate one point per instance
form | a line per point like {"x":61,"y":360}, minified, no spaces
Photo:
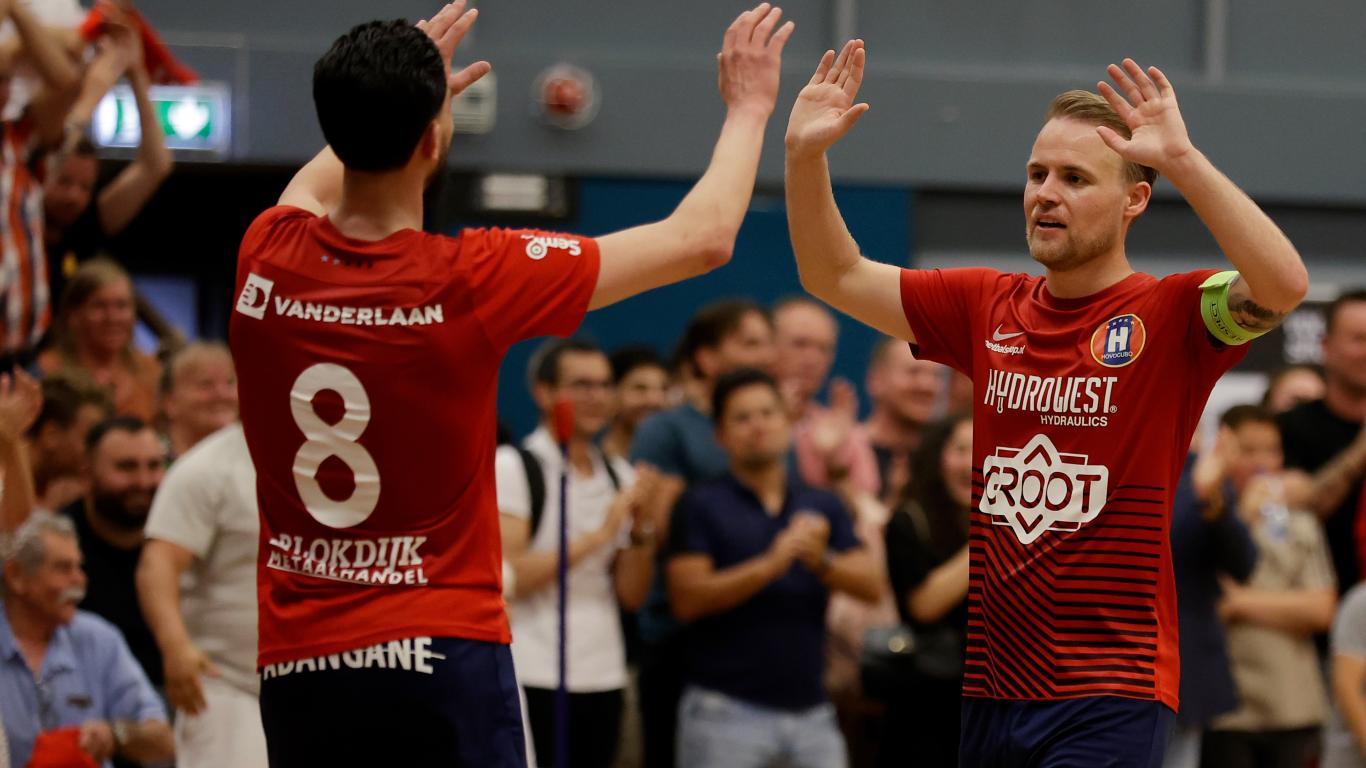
{"x":998,"y":336}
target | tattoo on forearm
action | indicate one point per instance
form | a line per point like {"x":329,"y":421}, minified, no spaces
{"x":1248,"y":313}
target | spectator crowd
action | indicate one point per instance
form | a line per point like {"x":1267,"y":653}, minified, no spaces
{"x":755,"y":575}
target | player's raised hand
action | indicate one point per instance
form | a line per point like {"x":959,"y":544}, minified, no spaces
{"x":1148,"y":106}
{"x":751,"y":59}
{"x":825,"y":109}
{"x":447,"y":29}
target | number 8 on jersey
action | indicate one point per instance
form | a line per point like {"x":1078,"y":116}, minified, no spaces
{"x":326,"y":440}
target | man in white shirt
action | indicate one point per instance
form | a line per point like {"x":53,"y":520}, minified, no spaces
{"x":611,"y":555}
{"x":202,"y":533}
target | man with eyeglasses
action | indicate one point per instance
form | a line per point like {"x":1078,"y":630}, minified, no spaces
{"x":611,"y":555}
{"x":69,"y":685}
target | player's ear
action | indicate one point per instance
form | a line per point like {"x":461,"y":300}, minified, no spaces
{"x":430,"y":146}
{"x":544,"y":397}
{"x":1137,"y":202}
{"x":706,"y":361}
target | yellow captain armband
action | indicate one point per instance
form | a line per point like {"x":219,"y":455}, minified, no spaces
{"x":1215,"y":311}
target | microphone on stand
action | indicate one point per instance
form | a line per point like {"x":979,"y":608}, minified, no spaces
{"x":562,"y":422}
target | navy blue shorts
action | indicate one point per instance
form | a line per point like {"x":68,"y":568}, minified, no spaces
{"x":420,"y":702}
{"x":1092,"y":732}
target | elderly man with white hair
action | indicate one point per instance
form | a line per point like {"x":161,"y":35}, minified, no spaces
{"x":68,"y":682}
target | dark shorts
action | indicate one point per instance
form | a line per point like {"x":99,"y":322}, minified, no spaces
{"x":1092,"y":732}
{"x":425,"y":701}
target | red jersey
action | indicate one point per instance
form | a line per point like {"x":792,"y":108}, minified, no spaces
{"x":1083,"y":416}
{"x":367,"y":373}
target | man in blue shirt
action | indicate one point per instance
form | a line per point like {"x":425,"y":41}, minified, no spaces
{"x":67,"y":675}
{"x":754,"y":559}
{"x":681,"y":443}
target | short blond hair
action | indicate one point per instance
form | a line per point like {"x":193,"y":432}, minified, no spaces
{"x":190,"y":356}
{"x":1092,"y":108}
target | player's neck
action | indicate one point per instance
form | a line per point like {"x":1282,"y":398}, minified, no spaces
{"x":182,"y":438}
{"x":1090,"y":278}
{"x":114,"y":535}
{"x":617,"y":442}
{"x":698,"y":394}
{"x":581,"y":457}
{"x":887,"y":430}
{"x":99,"y":359}
{"x":1343,"y":401}
{"x":767,"y":481}
{"x":374,"y":206}
{"x":32,"y":633}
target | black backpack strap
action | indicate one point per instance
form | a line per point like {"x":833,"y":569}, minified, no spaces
{"x":611,"y":471}
{"x":535,"y":483}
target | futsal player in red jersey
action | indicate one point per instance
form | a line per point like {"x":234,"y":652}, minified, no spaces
{"x":1088,"y":384}
{"x":368,"y":355}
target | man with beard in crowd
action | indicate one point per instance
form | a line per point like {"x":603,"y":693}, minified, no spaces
{"x":906,"y":395}
{"x":126,"y":462}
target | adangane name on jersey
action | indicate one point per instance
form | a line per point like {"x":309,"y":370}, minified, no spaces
{"x":368,"y":375}
{"x":1083,"y":414}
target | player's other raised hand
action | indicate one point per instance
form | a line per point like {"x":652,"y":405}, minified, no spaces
{"x":825,"y":109}
{"x":751,"y":59}
{"x":1148,"y":105}
{"x":447,"y":28}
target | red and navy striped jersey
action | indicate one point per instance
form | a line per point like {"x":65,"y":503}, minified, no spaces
{"x":24,"y":303}
{"x":1083,"y":415}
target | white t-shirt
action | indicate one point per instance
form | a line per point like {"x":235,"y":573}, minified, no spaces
{"x":207,"y":504}
{"x":597,"y":654}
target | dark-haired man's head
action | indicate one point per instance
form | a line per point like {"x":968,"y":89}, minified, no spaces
{"x":642,"y":382}
{"x":1257,"y":442}
{"x":127,"y":461}
{"x":577,"y":371}
{"x":382,"y":99}
{"x":1344,"y":343}
{"x":70,"y":184}
{"x":752,"y":423}
{"x":725,"y":336}
{"x":72,"y":406}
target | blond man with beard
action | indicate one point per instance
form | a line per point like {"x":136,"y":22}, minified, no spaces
{"x":1088,"y":381}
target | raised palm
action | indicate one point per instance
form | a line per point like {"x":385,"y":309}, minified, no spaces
{"x":1148,"y":106}
{"x":447,"y":29}
{"x":751,"y":58}
{"x":825,"y":109}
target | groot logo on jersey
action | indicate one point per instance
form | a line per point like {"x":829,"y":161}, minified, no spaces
{"x":1037,"y":488}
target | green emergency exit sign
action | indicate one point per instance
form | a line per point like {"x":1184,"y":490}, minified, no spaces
{"x":194,"y":118}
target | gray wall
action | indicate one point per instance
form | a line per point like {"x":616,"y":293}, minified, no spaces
{"x":957,"y":229}
{"x":1275,"y":92}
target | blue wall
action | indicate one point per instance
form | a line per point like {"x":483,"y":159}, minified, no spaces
{"x":762,"y":269}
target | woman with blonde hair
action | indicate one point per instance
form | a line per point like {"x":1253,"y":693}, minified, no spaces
{"x":94,"y":335}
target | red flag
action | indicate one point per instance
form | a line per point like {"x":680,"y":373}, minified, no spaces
{"x":163,"y":67}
